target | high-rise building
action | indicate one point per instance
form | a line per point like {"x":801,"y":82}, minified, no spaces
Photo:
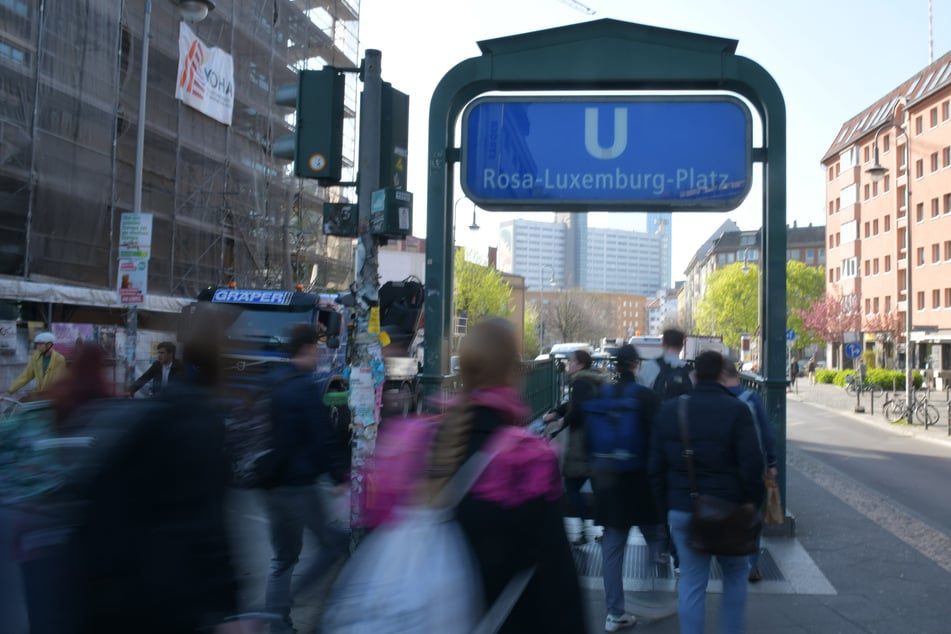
{"x":579,"y":256}
{"x":659,"y":223}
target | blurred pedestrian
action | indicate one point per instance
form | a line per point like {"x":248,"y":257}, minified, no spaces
{"x":307,"y":449}
{"x":153,"y":547}
{"x":766,"y":435}
{"x":165,"y":369}
{"x":729,"y":465}
{"x":623,"y":499}
{"x":576,"y":468}
{"x":813,"y":366}
{"x":793,"y":373}
{"x":46,"y":366}
{"x":512,"y":516}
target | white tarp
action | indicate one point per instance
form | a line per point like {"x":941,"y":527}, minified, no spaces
{"x":205,"y":77}
{"x":22,"y":290}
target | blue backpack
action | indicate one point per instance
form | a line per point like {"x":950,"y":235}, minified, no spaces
{"x":616,"y":439}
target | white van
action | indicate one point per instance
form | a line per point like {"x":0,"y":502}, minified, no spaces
{"x":647,"y":347}
{"x":564,"y":350}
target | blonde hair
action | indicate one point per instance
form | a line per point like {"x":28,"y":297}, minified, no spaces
{"x":488,"y":357}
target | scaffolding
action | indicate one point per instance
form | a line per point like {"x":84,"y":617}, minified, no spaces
{"x":223,"y":208}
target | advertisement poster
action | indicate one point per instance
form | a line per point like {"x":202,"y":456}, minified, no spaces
{"x":68,"y":336}
{"x":135,"y":235}
{"x":205,"y":77}
{"x":133,"y":281}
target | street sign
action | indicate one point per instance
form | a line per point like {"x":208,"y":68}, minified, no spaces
{"x":791,"y":335}
{"x":853,"y":350}
{"x":624,"y":153}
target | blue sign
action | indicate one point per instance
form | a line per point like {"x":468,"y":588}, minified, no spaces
{"x":790,"y":335}
{"x":242,"y":296}
{"x":853,"y":350}
{"x":690,"y":153}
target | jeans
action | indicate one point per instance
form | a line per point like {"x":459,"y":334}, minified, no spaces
{"x":575,"y":502}
{"x":613,"y":546}
{"x":692,"y":587}
{"x":291,"y":510}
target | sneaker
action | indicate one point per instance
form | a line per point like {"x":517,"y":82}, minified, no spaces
{"x":755,"y":575}
{"x":614,"y":623}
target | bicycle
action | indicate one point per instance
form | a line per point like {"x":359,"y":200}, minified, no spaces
{"x":919,"y":409}
{"x":854,"y":386}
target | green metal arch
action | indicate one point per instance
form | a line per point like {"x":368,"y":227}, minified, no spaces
{"x":609,"y":55}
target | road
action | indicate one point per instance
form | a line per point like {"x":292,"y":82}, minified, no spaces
{"x":895,"y":480}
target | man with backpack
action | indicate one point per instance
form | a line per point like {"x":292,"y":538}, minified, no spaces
{"x":619,"y":421}
{"x":668,"y":375}
{"x":305,"y":449}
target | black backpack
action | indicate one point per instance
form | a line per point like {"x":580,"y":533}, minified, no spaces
{"x":672,"y":382}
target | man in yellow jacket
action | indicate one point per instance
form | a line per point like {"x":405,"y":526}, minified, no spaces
{"x":46,"y":365}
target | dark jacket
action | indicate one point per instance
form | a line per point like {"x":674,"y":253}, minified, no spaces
{"x":767,"y":434}
{"x":622,"y":500}
{"x":154,"y":374}
{"x":727,"y":457}
{"x":584,"y":386}
{"x":304,"y":437}
{"x":154,"y":533}
{"x":506,"y":540}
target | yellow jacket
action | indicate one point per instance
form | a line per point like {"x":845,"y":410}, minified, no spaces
{"x":34,"y":370}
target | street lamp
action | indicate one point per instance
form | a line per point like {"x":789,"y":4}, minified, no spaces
{"x":191,"y":11}
{"x":455,"y":208}
{"x":876,"y":172}
{"x":746,"y":270}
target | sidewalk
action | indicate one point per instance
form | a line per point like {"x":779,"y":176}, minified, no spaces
{"x":842,"y":573}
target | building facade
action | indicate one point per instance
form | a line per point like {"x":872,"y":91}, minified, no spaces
{"x":868,"y":220}
{"x":578,"y":256}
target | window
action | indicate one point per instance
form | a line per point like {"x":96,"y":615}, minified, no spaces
{"x":886,"y":141}
{"x":934,"y":162}
{"x":831,"y":207}
{"x":935,"y":208}
{"x":901,"y":158}
{"x":920,"y":212}
{"x":921,"y":300}
{"x":935,"y":253}
{"x":850,"y":267}
{"x":921,"y":256}
{"x":936,"y":298}
{"x":886,"y":183}
{"x":947,"y":203}
{"x":901,"y":202}
{"x":874,"y":188}
{"x":946,"y":110}
{"x":888,"y":303}
{"x":888,"y":263}
{"x":947,"y":297}
{"x":866,"y":153}
{"x":831,"y":173}
{"x":810,"y":255}
{"x":933,"y":115}
{"x":919,"y":124}
{"x":875,"y":266}
{"x":946,"y":157}
{"x":868,"y":306}
{"x":831,"y":276}
{"x":866,"y":190}
{"x":831,"y":242}
{"x":868,"y":227}
{"x":919,"y":168}
{"x":868,"y":268}
{"x":875,"y":227}
{"x":838,"y":238}
{"x":875,"y":305}
{"x":888,"y":224}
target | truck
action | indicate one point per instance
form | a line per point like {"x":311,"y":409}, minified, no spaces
{"x":695,"y":344}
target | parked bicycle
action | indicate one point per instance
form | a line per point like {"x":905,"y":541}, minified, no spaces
{"x":920,"y":410}
{"x":853,"y":386}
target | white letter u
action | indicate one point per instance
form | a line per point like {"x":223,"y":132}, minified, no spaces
{"x":591,"y":134}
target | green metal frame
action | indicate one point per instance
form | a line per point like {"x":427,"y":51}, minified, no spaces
{"x":610,"y":55}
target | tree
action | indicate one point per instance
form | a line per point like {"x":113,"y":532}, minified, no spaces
{"x":888,"y":328}
{"x":730,"y":306}
{"x":576,"y":316}
{"x":479,"y":291}
{"x":829,"y":317}
{"x":532,"y":344}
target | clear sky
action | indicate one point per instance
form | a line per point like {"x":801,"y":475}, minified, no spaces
{"x":831,"y":59}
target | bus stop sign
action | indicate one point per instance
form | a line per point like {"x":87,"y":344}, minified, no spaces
{"x":687,"y":153}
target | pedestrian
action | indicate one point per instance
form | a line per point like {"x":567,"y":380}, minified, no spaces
{"x":154,"y":551}
{"x":45,"y":366}
{"x":863,"y":372}
{"x":623,"y":499}
{"x":767,"y":437}
{"x":668,"y":375}
{"x":793,"y":373}
{"x":729,"y":465}
{"x":512,"y":516}
{"x":576,"y":469}
{"x":165,"y":369}
{"x":812,"y":370}
{"x":307,"y":449}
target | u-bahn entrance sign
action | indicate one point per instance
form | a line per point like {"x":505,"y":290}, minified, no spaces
{"x":587,"y":61}
{"x":639,"y":152}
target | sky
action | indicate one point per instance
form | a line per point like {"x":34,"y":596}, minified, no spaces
{"x":830,"y":58}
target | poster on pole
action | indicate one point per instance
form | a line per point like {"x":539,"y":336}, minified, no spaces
{"x":135,"y":235}
{"x":132,"y":284}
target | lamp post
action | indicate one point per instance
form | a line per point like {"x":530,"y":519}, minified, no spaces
{"x":190,"y":11}
{"x":746,"y":270}
{"x":541,"y":300}
{"x":455,"y":209}
{"x":876,"y":172}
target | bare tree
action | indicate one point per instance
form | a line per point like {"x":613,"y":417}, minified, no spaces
{"x":578,"y":316}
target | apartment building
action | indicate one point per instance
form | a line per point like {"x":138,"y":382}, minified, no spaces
{"x":869,"y":221}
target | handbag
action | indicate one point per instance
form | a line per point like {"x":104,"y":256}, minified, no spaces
{"x":773,"y":516}
{"x":717,"y":526}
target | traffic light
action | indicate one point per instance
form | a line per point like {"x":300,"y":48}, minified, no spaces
{"x":394,"y":137}
{"x":317,"y":144}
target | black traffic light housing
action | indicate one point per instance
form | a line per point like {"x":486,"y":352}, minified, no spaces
{"x":317,"y":144}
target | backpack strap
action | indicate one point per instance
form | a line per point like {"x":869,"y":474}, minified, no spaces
{"x":463,"y":480}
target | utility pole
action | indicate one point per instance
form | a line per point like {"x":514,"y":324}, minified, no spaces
{"x":366,"y":368}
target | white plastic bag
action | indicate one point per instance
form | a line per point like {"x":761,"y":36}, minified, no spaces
{"x":415,"y":575}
